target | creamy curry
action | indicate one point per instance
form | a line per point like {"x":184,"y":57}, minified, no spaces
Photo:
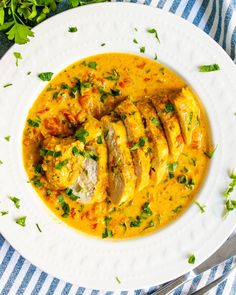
{"x":116,"y":145}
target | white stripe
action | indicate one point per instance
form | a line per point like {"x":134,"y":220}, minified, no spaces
{"x":73,"y":290}
{"x":181,"y":8}
{"x":205,"y":15}
{"x":4,"y":250}
{"x":230,"y":282}
{"x":46,"y":285}
{"x":194,"y":10}
{"x":167,"y":5}
{"x":154,"y":3}
{"x":224,"y":10}
{"x":33,"y":281}
{"x":9,"y":269}
{"x":59,"y":288}
{"x":231,"y":27}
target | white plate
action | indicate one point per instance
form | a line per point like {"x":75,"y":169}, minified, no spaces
{"x":64,"y":252}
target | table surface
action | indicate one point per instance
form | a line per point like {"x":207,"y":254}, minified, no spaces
{"x":18,"y":276}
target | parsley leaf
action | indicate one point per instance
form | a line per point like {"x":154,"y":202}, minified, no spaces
{"x":140,"y":143}
{"x":72,"y":29}
{"x":33,"y":123}
{"x":169,"y":108}
{"x":210,"y":154}
{"x":20,"y":33}
{"x":191,"y":259}
{"x":46,"y":76}
{"x":16,"y":201}
{"x":17,"y":56}
{"x":154,"y":31}
{"x":92,"y":65}
{"x":3,"y":213}
{"x":142,"y":49}
{"x":201,"y":207}
{"x":209,"y":68}
{"x":113,"y":76}
{"x":21,"y":220}
{"x":7,"y":138}
{"x":61,"y":164}
{"x":81,"y":135}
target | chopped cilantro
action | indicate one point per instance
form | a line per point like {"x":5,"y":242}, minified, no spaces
{"x":1,"y":162}
{"x":7,"y":138}
{"x":210,"y":154}
{"x":209,"y":68}
{"x":38,"y":227}
{"x":7,"y":85}
{"x":172,"y":167}
{"x":113,"y":76}
{"x":190,"y":183}
{"x":48,"y":192}
{"x":81,"y":135}
{"x":69,"y":193}
{"x":169,"y":108}
{"x":16,"y":201}
{"x":154,"y":31}
{"x":146,"y":211}
{"x":200,"y":206}
{"x":64,"y":206}
{"x":46,"y":76}
{"x":38,"y":169}
{"x":142,"y":49}
{"x":61,"y":164}
{"x":75,"y":151}
{"x":232,"y":184}
{"x":107,"y":233}
{"x":140,"y":143}
{"x":136,"y":222}
{"x":118,"y":280}
{"x":72,"y":29}
{"x":99,"y":139}
{"x":103,"y":44}
{"x":89,"y":154}
{"x":177,"y":209}
{"x":18,"y":57}
{"x":135,"y":41}
{"x":86,"y":84}
{"x":191,"y":259}
{"x":21,"y":220}
{"x":182,"y":179}
{"x":44,"y":152}
{"x":65,"y":86}
{"x":33,"y":123}
{"x":3,"y":213}
{"x":150,"y":224}
{"x":92,"y":65}
{"x":36,"y":181}
{"x":155,"y":121}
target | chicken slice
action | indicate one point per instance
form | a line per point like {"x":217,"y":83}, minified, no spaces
{"x":166,"y":111}
{"x":138,"y":142}
{"x":187,"y":110}
{"x":121,"y":174}
{"x":158,"y":146}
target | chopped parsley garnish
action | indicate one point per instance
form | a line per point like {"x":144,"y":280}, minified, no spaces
{"x":46,"y":76}
{"x":113,"y":76}
{"x":115,"y":92}
{"x":154,"y":31}
{"x":64,"y":206}
{"x":201,"y":207}
{"x":16,"y":201}
{"x":38,"y":227}
{"x":118,"y":280}
{"x":209,"y":68}
{"x":107,"y":220}
{"x":55,"y":94}
{"x":142,"y":49}
{"x":135,"y":41}
{"x":86,"y":84}
{"x":33,"y":123}
{"x":18,"y":57}
{"x":107,"y":233}
{"x":89,"y":154}
{"x":72,"y":29}
{"x":190,"y":183}
{"x":191,"y":259}
{"x":61,"y":164}
{"x":7,"y":138}
{"x":169,"y":108}
{"x":140,"y":143}
{"x":99,"y":139}
{"x":92,"y":65}
{"x":103,"y":44}
{"x":136,"y":222}
{"x":193,"y":161}
{"x":28,"y":73}
{"x":1,"y":162}
{"x":3,"y":213}
{"x":44,"y":152}
{"x":177,"y":209}
{"x":104,"y":94}
{"x":146,"y":211}
{"x":21,"y":220}
{"x":155,"y":57}
{"x":65,"y":86}
{"x":230,"y":204}
{"x":48,"y":192}
{"x":7,"y":85}
{"x":81,"y":135}
{"x":38,"y":169}
{"x":172,"y":167}
{"x":155,"y":121}
{"x":210,"y":154}
{"x":36,"y":181}
{"x":69,"y":193}
{"x":182,"y":179}
{"x":150,"y":224}
{"x":75,"y":151}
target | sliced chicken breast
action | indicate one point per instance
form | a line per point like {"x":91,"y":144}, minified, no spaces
{"x":137,"y":140}
{"x":187,"y":110}
{"x":121,"y":174}
{"x":159,"y":150}
{"x":167,"y":114}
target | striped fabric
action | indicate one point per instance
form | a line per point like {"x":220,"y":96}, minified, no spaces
{"x":18,"y":276}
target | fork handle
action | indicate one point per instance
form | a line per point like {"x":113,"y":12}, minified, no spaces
{"x":169,"y":287}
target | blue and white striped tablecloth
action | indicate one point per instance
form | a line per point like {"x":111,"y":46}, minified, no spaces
{"x":18,"y":276}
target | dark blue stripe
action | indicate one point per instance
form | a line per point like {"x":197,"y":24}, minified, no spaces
{"x":6,"y":260}
{"x":233,"y":289}
{"x":26,"y":280}
{"x":94,"y":292}
{"x":211,"y":18}
{"x":161,"y":3}
{"x":147,"y":2}
{"x":124,"y":293}
{"x":195,"y":283}
{"x":80,"y":291}
{"x":138,"y":292}
{"x":218,"y":31}
{"x":174,"y":6}
{"x":178,"y":291}
{"x":39,"y":284}
{"x":151,"y":290}
{"x":212,"y":275}
{"x":188,"y":8}
{"x":220,"y":288}
{"x":227,"y":19}
{"x":13,"y":275}
{"x":2,"y":240}
{"x":52,"y":286}
{"x":66,"y":289}
{"x":200,"y":12}
{"x":109,"y":293}
{"x":233,"y":44}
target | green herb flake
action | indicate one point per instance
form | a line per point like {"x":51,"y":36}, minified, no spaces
{"x":177,"y":209}
{"x":135,"y":41}
{"x":211,"y":153}
{"x":201,"y":207}
{"x":16,"y":201}
{"x":18,"y":57}
{"x":45,"y":152}
{"x":154,"y":31}
{"x":169,"y":108}
{"x":209,"y":68}
{"x":103,"y":44}
{"x":107,"y":233}
{"x":61,"y":164}
{"x":64,"y":206}
{"x":150,"y":224}
{"x":75,"y":151}
{"x":136,"y":222}
{"x":146,"y":211}
{"x":99,"y":139}
{"x":190,"y":183}
{"x":81,"y":135}
{"x":38,"y":227}
{"x":232,"y":185}
{"x":113,"y":75}
{"x":155,"y":121}
{"x":21,"y":220}
{"x":118,"y":280}
{"x":191,"y":259}
{"x":115,"y":92}
{"x":171,"y":168}
{"x":72,"y":29}
{"x":140,"y":143}
{"x":142,"y":49}
{"x":28,"y":73}
{"x":7,"y":85}
{"x":46,"y":76}
{"x":3,"y":213}
{"x":182,"y":179}
{"x":69,"y":193}
{"x":92,"y":65}
{"x":155,"y":57}
{"x":7,"y":138}
{"x":48,"y":192}
{"x":33,"y":123}
{"x":1,"y":162}
{"x":36,"y":181}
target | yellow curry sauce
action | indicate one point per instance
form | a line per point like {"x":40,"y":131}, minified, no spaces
{"x":64,"y":104}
